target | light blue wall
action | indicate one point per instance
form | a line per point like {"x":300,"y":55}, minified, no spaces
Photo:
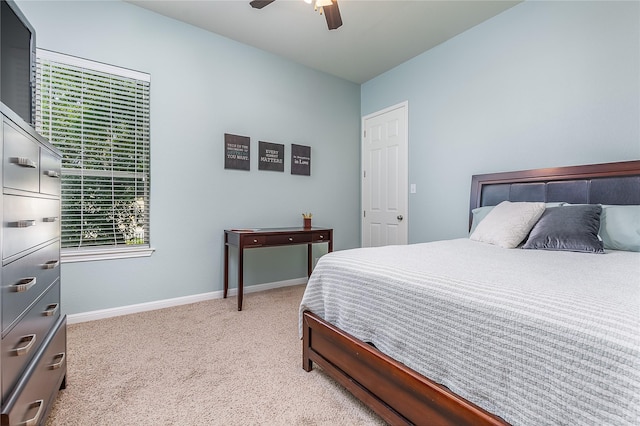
{"x":543,"y":84}
{"x":202,"y":86}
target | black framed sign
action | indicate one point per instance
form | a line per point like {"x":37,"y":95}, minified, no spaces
{"x":237,"y":152}
{"x":300,"y":160}
{"x":271,"y":156}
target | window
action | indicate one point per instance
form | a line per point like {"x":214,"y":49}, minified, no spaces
{"x":97,"y":115}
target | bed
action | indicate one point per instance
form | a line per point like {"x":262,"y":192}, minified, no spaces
{"x":466,"y":332}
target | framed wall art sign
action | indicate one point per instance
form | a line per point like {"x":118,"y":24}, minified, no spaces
{"x":237,"y":152}
{"x":300,"y":160}
{"x":271,"y":156}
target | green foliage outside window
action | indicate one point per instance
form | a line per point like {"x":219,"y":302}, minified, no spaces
{"x":100,"y":122}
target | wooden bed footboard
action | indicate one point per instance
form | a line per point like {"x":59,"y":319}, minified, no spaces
{"x":395,"y":392}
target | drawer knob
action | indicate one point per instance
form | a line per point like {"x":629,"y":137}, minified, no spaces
{"x":24,"y":284}
{"x":51,"y":310}
{"x":24,"y":162}
{"x":52,"y":173}
{"x":34,"y":420}
{"x":58,"y":361}
{"x":23,"y":223}
{"x":52,"y":264}
{"x":25,"y":344}
{"x":322,"y":237}
{"x":255,"y":241}
{"x":290,"y":238}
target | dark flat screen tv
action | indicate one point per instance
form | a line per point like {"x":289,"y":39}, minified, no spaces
{"x":17,"y":61}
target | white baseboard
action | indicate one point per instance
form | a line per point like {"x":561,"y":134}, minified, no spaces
{"x":167,"y":303}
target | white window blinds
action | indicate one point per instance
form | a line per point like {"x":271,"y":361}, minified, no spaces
{"x":98,"y":116}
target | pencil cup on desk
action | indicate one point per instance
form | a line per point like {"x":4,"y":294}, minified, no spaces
{"x":307,"y":220}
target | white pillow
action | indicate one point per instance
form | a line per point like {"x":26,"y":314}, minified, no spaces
{"x":479,"y":213}
{"x":507,"y":224}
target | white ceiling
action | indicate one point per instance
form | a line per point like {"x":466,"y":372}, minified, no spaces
{"x":376,"y":35}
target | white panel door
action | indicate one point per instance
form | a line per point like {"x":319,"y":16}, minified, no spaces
{"x":385,"y":177}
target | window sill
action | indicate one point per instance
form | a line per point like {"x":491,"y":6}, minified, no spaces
{"x":90,"y":255}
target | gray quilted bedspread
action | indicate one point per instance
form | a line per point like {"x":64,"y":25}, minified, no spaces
{"x":535,"y":337}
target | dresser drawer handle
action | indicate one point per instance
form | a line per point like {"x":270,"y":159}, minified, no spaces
{"x":34,"y":420}
{"x":50,"y":219}
{"x":51,"y":310}
{"x":52,"y":173}
{"x":57,"y":364}
{"x":52,"y":264}
{"x":24,"y":284}
{"x":290,"y":238}
{"x":24,"y":162}
{"x":255,"y":241}
{"x":23,"y":223}
{"x":322,"y":237}
{"x":27,"y":343}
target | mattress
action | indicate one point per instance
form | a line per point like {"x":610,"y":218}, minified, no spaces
{"x":536,"y":337}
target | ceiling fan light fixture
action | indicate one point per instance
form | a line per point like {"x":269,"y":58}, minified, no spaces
{"x":319,"y":5}
{"x":331,"y":13}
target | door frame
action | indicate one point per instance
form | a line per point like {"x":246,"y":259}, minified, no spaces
{"x":405,"y":106}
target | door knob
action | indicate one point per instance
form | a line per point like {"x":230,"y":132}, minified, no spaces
{"x":400,"y":217}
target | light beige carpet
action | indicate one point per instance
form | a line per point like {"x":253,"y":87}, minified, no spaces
{"x":201,"y":364}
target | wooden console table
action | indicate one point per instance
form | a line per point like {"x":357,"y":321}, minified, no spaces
{"x":270,"y":237}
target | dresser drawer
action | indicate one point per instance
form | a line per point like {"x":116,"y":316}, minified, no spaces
{"x":20,"y":160}
{"x":32,"y":398}
{"x":50,"y":172}
{"x":21,"y":343}
{"x":24,"y":280}
{"x":29,"y":221}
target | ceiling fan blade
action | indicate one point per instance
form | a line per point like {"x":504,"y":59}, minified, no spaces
{"x":332,"y":13}
{"x":259,"y":4}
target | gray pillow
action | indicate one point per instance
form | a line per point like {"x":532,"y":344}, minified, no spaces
{"x":567,"y":228}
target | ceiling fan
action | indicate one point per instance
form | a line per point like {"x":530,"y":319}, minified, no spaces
{"x":329,"y":7}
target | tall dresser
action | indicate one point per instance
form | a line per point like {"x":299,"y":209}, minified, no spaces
{"x":33,"y":362}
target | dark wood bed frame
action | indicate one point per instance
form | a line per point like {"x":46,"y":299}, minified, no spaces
{"x":396,"y":392}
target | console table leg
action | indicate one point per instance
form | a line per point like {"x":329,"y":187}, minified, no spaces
{"x":240,"y":277}
{"x":226,"y":271}
{"x":309,"y":262}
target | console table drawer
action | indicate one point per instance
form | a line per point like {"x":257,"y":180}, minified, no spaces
{"x":276,"y":240}
{"x":318,"y":236}
{"x":21,"y":344}
{"x":253,"y":240}
{"x":24,"y":280}
{"x":30,"y":401}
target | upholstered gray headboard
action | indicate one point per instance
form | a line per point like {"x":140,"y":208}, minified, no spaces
{"x":607,"y":183}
